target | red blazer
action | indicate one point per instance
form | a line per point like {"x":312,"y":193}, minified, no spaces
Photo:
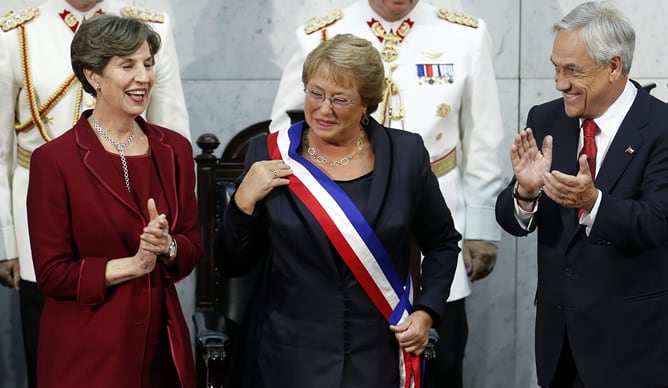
{"x":79,"y":218}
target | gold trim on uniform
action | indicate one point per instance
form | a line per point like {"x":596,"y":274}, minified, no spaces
{"x":389,"y":53}
{"x":317,"y":23}
{"x":23,"y":157}
{"x":445,"y":163}
{"x":443,"y":110}
{"x":145,"y":14}
{"x":70,"y":20}
{"x":458,"y":17}
{"x":12,"y":20}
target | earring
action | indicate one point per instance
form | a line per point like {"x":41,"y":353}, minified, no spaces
{"x":365,"y":119}
{"x":97,"y":87}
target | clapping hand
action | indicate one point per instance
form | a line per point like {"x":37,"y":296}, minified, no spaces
{"x":529,"y":163}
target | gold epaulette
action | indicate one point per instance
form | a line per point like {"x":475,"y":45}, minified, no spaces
{"x":317,"y":23}
{"x":12,"y":20}
{"x":145,"y":14}
{"x":458,"y":17}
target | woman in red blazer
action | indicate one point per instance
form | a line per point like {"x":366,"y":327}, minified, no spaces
{"x":113,"y":224}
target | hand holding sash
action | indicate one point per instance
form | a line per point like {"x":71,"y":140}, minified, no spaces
{"x":260,"y":180}
{"x":413,"y":334}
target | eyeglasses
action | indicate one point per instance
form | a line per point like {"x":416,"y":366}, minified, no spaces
{"x":337,"y":101}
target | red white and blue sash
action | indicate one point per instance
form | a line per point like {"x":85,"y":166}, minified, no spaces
{"x":353,"y":238}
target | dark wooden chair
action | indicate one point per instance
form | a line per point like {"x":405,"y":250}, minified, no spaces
{"x":221,"y":302}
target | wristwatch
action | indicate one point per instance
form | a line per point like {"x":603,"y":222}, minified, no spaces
{"x":526,"y":199}
{"x":172,"y":249}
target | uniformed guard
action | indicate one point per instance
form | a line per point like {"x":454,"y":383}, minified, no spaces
{"x":440,"y":83}
{"x":41,"y":99}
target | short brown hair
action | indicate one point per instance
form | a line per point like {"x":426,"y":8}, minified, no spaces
{"x":349,"y":59}
{"x":103,"y":37}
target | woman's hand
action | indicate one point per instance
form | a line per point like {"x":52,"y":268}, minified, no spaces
{"x":413,"y":334}
{"x":156,"y":238}
{"x":260,"y":180}
{"x":144,"y":260}
{"x":126,"y":268}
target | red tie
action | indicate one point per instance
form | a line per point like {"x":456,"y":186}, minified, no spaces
{"x":589,"y":129}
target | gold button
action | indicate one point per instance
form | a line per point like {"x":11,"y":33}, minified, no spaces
{"x":90,"y":103}
{"x":439,"y":135}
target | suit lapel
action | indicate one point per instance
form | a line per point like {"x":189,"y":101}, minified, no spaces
{"x":617,"y":157}
{"x":382,"y":146}
{"x":626,"y":143}
{"x":100,"y":165}
{"x":164,"y":159}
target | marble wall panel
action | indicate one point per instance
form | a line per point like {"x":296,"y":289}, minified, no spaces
{"x":503,"y":20}
{"x":647,"y":17}
{"x":224,"y":107}
{"x":490,"y":354}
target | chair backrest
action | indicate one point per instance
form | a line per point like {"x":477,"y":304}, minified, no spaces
{"x":216,"y":179}
{"x":224,"y":299}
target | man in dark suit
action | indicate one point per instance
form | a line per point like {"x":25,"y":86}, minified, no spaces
{"x":601,"y":217}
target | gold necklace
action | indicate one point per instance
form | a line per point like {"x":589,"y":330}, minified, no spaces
{"x":344,"y":161}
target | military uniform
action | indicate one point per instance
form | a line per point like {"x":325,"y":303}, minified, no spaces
{"x":41,"y":99}
{"x":440,"y":84}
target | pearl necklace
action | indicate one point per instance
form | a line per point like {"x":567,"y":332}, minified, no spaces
{"x":120,"y":147}
{"x":344,"y":161}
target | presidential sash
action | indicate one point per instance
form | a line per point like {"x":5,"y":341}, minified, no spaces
{"x":352,"y":237}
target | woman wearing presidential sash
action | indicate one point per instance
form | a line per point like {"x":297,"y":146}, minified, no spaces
{"x":330,"y":206}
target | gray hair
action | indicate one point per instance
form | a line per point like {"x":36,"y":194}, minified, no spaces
{"x":606,"y":32}
{"x":105,"y":36}
{"x":350,"y":61}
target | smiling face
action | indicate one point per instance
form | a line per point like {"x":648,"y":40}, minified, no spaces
{"x":332,"y":124}
{"x":588,"y":89}
{"x":125,"y":83}
{"x":392,"y":10}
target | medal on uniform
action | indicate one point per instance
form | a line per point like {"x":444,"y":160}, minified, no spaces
{"x":435,"y":73}
{"x":447,"y":71}
{"x":389,"y":53}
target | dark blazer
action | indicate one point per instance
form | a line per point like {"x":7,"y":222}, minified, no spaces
{"x":317,"y":327}
{"x":608,"y":290}
{"x":79,"y":217}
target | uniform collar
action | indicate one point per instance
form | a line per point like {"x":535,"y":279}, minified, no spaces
{"x":415,"y":15}
{"x":62,"y":5}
